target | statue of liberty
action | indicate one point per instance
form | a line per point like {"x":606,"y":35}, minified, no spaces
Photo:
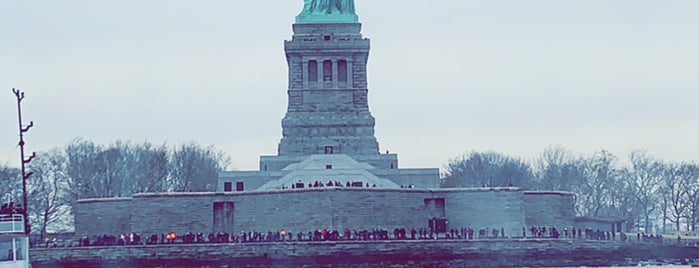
{"x":325,"y":6}
{"x":346,"y":6}
{"x":316,"y":11}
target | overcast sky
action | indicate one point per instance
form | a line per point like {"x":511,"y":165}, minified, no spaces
{"x":445,"y":77}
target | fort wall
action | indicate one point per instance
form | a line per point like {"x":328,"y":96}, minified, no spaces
{"x":548,"y":209}
{"x":103,"y":216}
{"x":317,"y":208}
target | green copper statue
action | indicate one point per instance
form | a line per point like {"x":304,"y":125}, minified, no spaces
{"x":327,"y":11}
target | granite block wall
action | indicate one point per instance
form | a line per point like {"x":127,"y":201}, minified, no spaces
{"x":304,"y":210}
{"x":103,"y":216}
{"x":423,"y":253}
{"x":549,"y":209}
{"x":486,"y":208}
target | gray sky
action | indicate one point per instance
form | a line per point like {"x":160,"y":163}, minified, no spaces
{"x":445,"y":77}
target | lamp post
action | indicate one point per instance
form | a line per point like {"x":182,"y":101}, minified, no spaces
{"x":25,"y":161}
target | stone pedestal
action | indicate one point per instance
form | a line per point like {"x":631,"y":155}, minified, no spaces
{"x":328,"y":110}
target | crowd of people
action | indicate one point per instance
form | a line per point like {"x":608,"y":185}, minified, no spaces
{"x":587,"y":233}
{"x":649,"y":238}
{"x":330,"y":183}
{"x":466,"y":233}
{"x":284,"y":235}
{"x":108,"y":240}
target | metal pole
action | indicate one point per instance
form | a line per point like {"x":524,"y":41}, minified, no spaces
{"x":25,"y":161}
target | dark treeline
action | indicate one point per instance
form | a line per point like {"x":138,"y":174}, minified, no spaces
{"x":84,"y":169}
{"x":647,"y":193}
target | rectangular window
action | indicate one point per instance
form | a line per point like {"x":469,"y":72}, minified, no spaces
{"x":312,"y":71}
{"x":342,"y":71}
{"x":327,"y":71}
{"x":228,"y":186}
{"x":239,"y":186}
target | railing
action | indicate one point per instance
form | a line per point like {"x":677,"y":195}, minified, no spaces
{"x":11,"y":223}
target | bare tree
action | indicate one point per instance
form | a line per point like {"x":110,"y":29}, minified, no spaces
{"x":195,"y":168}
{"x":10,"y":183}
{"x":559,"y":170}
{"x":487,"y":169}
{"x":692,"y":197}
{"x":95,"y":171}
{"x":83,"y":171}
{"x":677,"y":181}
{"x":120,"y":169}
{"x":622,"y":201}
{"x":600,"y":175}
{"x":144,"y":167}
{"x":48,"y":190}
{"x":646,"y":175}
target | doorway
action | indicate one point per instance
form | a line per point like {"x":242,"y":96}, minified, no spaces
{"x":223,"y":217}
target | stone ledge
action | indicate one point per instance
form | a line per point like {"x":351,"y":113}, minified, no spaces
{"x":106,"y":199}
{"x":306,"y":190}
{"x":462,"y":253}
{"x":562,"y":193}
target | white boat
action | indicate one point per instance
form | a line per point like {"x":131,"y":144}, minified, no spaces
{"x":14,"y":242}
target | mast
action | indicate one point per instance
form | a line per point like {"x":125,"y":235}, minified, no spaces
{"x":24,"y":161}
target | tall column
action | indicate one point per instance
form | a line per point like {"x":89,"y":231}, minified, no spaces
{"x":321,"y":79}
{"x":350,"y":73}
{"x":304,"y":72}
{"x":335,"y":74}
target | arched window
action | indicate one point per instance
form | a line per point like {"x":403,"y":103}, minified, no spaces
{"x":312,"y":71}
{"x":342,"y":71}
{"x":327,"y":71}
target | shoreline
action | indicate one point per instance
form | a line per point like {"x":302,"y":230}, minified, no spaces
{"x":395,"y":253}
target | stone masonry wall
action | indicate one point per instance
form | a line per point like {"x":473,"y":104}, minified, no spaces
{"x":424,"y":253}
{"x":488,"y":208}
{"x":549,"y":209}
{"x":308,"y":209}
{"x":103,"y":216}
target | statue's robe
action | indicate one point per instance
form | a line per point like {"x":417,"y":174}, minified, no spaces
{"x":323,"y":6}
{"x":346,"y":6}
{"x":307,"y":6}
{"x":326,"y":7}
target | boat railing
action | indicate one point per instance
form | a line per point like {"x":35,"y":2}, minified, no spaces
{"x":13,"y":223}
